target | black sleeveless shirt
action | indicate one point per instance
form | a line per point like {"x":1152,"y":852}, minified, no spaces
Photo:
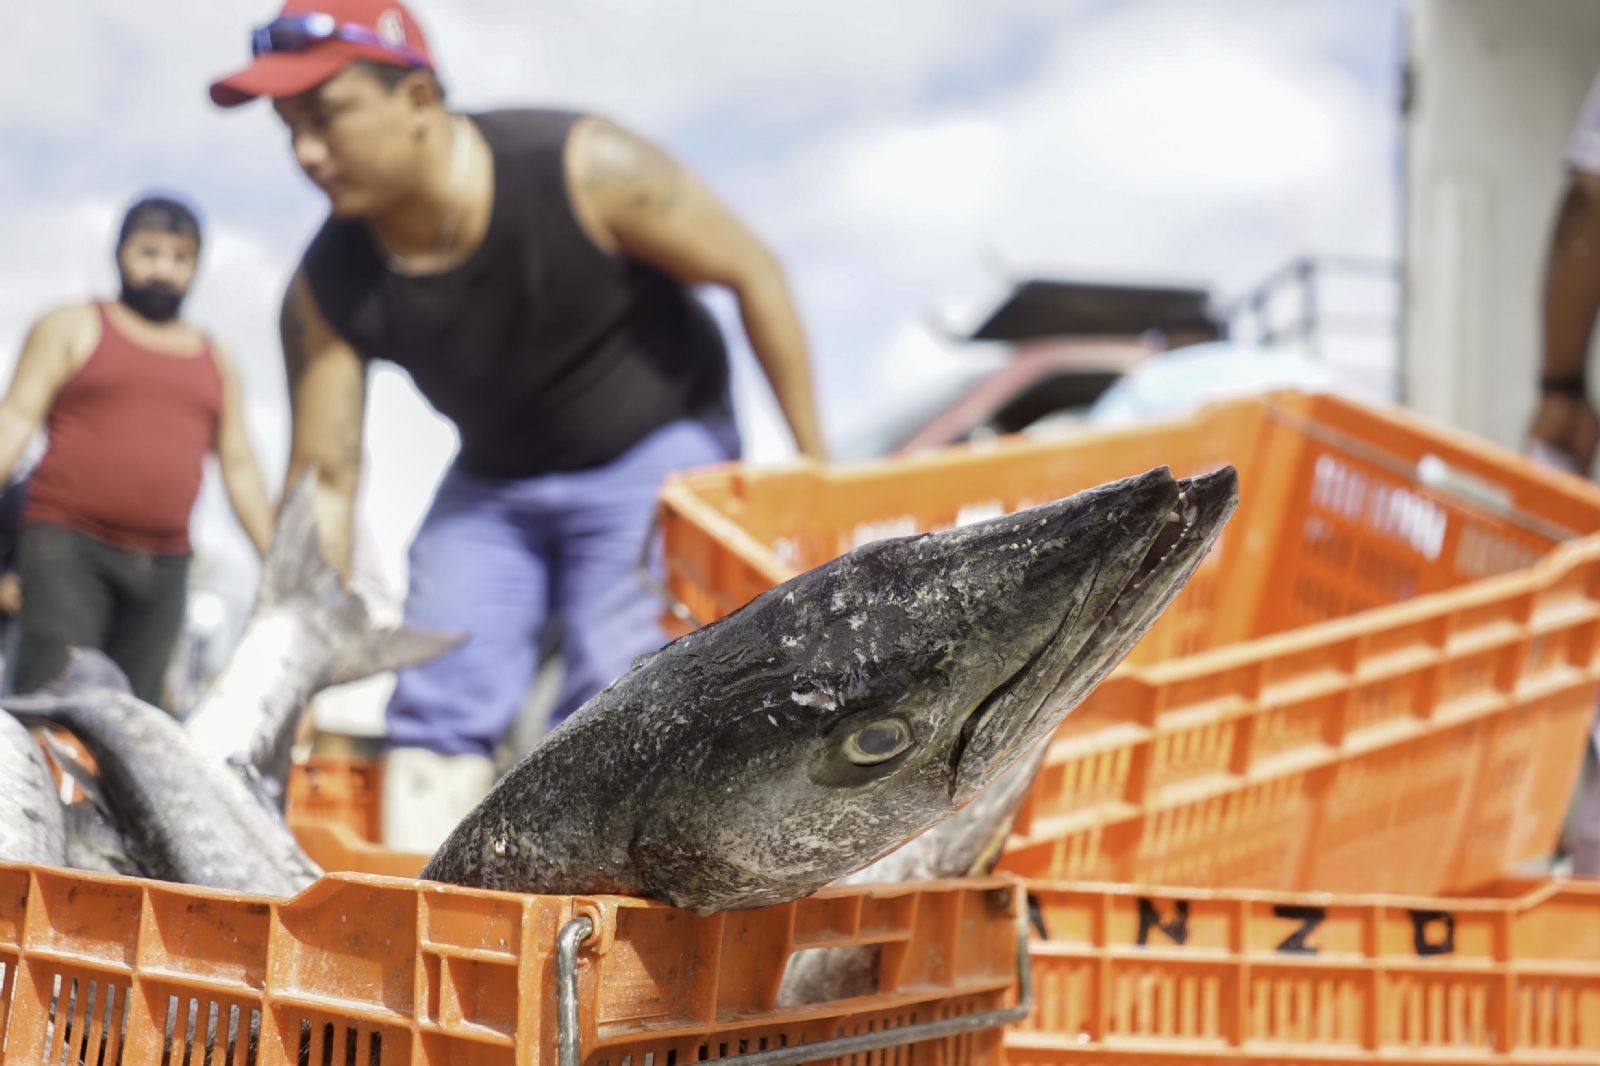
{"x":546,"y":352}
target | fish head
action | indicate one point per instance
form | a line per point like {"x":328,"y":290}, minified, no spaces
{"x":862,"y":702}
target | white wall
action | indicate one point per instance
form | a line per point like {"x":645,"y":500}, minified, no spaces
{"x":1497,"y":85}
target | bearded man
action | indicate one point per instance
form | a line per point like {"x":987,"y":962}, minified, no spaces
{"x":132,"y":398}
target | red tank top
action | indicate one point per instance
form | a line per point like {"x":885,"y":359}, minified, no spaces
{"x":128,"y":436}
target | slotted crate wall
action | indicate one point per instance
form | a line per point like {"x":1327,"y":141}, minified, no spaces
{"x":383,"y":971}
{"x":1429,"y":768}
{"x":1131,"y":975}
{"x":339,"y":789}
{"x":335,"y":809}
{"x":1379,"y":681}
{"x":1337,"y":512}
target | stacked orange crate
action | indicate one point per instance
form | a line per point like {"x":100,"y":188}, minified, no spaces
{"x":392,"y":972}
{"x":1133,"y":975}
{"x":1380,"y":681}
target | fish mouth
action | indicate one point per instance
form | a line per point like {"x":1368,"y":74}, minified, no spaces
{"x":1179,"y":530}
{"x":1076,"y":658}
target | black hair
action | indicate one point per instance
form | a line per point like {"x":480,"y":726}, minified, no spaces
{"x":159,"y":214}
{"x":390,"y":75}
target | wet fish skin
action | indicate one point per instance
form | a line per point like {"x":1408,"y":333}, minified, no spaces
{"x":968,"y":843}
{"x":31,"y":826}
{"x":189,"y":818}
{"x":96,"y":844}
{"x":744,"y":764}
{"x":306,"y":632}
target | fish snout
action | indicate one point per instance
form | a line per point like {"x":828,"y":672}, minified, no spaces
{"x":1153,"y":532}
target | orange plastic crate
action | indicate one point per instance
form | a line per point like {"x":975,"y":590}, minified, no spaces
{"x":1160,"y":975}
{"x":383,"y":971}
{"x":335,"y":811}
{"x":1380,"y":681}
{"x":343,"y":789}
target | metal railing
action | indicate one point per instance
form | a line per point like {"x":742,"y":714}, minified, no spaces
{"x":568,"y":1024}
{"x":1290,"y":306}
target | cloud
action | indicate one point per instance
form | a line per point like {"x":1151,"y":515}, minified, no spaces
{"x":1205,"y":117}
{"x":1191,"y":142}
{"x":781,"y":63}
{"x":944,"y":175}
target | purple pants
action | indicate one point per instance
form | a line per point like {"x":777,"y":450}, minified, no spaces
{"x":497,"y":558}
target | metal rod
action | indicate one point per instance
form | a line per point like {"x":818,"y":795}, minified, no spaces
{"x":567,"y":1012}
{"x":679,"y":609}
{"x":1309,"y":279}
{"x":1309,"y":274}
{"x":1404,"y":468}
{"x":572,"y":934}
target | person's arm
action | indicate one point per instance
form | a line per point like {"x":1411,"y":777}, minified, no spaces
{"x":240,"y":474}
{"x":55,"y":348}
{"x":632,"y":197}
{"x":327,"y":399}
{"x":1565,"y":418}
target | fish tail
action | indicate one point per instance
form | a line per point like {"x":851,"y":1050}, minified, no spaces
{"x":295,"y":571}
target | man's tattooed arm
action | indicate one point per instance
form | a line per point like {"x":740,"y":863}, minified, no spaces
{"x":634,"y":199}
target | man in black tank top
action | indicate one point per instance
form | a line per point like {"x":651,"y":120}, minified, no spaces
{"x":531,"y":271}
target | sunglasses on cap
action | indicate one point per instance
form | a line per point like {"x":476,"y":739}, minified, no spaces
{"x":299,"y":33}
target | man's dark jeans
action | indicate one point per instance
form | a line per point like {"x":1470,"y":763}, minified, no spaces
{"x":78,"y":591}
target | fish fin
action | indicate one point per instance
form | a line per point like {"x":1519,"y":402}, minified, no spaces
{"x":38,"y":707}
{"x":294,"y":567}
{"x":73,"y":767}
{"x":390,"y":649}
{"x":1036,"y":917}
{"x":989,"y":854}
{"x":87,"y":670}
{"x":257,"y":785}
{"x":295,"y":571}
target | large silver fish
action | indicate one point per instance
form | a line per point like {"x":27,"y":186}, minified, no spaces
{"x":95,"y":843}
{"x":844,"y":712}
{"x":305,"y":633}
{"x":191,"y":818}
{"x":31,"y":826}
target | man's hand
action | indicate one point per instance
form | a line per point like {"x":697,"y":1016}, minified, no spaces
{"x":1570,"y":425}
{"x":1567,"y":421}
{"x":10,"y":594}
{"x":327,"y":400}
{"x":631,"y":197}
{"x":241,"y":476}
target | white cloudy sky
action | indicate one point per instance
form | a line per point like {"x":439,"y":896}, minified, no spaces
{"x":902,"y":156}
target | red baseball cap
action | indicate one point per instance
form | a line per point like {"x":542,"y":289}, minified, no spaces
{"x":312,"y":40}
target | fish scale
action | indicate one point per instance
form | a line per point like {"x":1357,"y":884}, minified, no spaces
{"x":31,"y":826}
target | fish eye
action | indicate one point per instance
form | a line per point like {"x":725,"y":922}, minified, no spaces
{"x":877,"y":742}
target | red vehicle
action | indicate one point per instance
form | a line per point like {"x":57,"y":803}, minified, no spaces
{"x":1072,"y":341}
